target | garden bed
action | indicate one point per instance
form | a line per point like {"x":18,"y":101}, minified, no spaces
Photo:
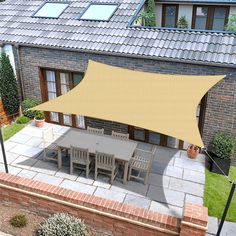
{"x":8,"y":211}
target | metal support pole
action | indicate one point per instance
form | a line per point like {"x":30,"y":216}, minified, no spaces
{"x":3,"y":150}
{"x":226,"y":208}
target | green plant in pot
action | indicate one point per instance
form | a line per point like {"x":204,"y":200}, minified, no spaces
{"x":39,"y":119}
{"x":222,"y":152}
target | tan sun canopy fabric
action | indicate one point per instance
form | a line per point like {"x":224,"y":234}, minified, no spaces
{"x":162,"y":103}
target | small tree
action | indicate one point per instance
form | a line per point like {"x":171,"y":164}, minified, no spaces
{"x":231,"y":26}
{"x":151,"y":20}
{"x":182,"y":22}
{"x":8,"y":86}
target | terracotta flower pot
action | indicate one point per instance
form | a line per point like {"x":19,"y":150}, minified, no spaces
{"x":192,"y":151}
{"x":39,"y":123}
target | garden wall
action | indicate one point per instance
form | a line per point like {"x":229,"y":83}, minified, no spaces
{"x":4,"y":118}
{"x":114,"y":217}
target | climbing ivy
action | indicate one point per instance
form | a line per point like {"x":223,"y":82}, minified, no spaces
{"x":8,"y":86}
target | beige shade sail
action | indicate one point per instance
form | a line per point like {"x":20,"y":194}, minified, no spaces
{"x":162,"y":103}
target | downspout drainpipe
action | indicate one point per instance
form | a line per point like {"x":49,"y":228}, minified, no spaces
{"x":19,"y":74}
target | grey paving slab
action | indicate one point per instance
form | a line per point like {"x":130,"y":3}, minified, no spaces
{"x":83,"y":179}
{"x":194,"y":176}
{"x":14,"y":170}
{"x":34,"y":142}
{"x":212,"y":225}
{"x":159,"y":180}
{"x":8,"y":145}
{"x":137,"y":201}
{"x":190,"y":164}
{"x":48,"y":179}
{"x":167,"y":209}
{"x":132,"y":187}
{"x":2,"y":167}
{"x":229,"y":229}
{"x":45,"y":167}
{"x":21,"y":138}
{"x":186,"y":187}
{"x":193,"y":199}
{"x":79,"y":187}
{"x":109,"y":194}
{"x":27,"y":174}
{"x":33,"y":131}
{"x":25,"y":150}
{"x":24,"y":162}
{"x":165,"y":195}
{"x":10,"y":157}
{"x":65,"y":174}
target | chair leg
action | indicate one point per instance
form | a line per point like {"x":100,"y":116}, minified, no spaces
{"x":71,"y":168}
{"x":129,"y":174}
{"x":146,"y":178}
{"x":87,"y":170}
{"x":112,"y":176}
{"x":95,"y":173}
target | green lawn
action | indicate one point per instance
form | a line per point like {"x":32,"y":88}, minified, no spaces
{"x":10,"y":130}
{"x":217,"y":190}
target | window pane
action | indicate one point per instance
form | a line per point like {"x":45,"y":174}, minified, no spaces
{"x":154,"y":138}
{"x":50,"y":76}
{"x":201,"y":18}
{"x":64,"y":82}
{"x":170,"y":16}
{"x":99,"y":12}
{"x":51,"y":87}
{"x":67,"y":119}
{"x":54,"y":116}
{"x":52,"y":10}
{"x":139,"y":134}
{"x":80,"y":121}
{"x":51,"y":95}
{"x":172,"y":142}
{"x":219,"y":18}
{"x":77,"y":78}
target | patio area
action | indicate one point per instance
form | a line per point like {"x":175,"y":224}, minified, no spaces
{"x":174,"y":178}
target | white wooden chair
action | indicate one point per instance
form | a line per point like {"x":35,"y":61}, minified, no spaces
{"x":95,"y":130}
{"x":120,"y":136}
{"x":105,"y":164}
{"x":80,"y":157}
{"x":141,"y":162}
{"x":50,"y":151}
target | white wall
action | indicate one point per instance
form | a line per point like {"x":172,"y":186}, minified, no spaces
{"x":187,"y":11}
{"x":232,"y":10}
{"x":158,"y":14}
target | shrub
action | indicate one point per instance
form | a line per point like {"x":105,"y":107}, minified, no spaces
{"x":39,"y":115}
{"x":27,"y":104}
{"x":223,"y":145}
{"x":182,"y":22}
{"x":18,"y":220}
{"x":151,"y":11}
{"x":8,"y":86}
{"x":231,"y":26}
{"x":22,"y":120}
{"x":62,"y":224}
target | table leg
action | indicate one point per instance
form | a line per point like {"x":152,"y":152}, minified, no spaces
{"x":59,"y":158}
{"x":125,"y":172}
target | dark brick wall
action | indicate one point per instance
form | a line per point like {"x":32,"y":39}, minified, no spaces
{"x":221,"y":102}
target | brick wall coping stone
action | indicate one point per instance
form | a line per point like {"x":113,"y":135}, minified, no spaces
{"x":109,"y":208}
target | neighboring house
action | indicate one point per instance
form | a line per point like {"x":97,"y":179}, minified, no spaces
{"x":200,"y":14}
{"x":52,"y":49}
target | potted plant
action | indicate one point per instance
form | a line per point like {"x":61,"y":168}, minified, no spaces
{"x":222,"y":151}
{"x":192,"y":151}
{"x":39,"y":119}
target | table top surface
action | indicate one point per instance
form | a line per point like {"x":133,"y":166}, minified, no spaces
{"x":122,"y":149}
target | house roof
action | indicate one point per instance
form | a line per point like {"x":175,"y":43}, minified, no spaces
{"x":228,"y":2}
{"x":17,"y":26}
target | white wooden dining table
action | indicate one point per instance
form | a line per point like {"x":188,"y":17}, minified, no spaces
{"x":122,"y":149}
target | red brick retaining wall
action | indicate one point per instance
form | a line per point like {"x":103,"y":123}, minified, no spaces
{"x":120,"y":219}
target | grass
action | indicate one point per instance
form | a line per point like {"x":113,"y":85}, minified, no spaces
{"x":217,"y":190}
{"x":9,"y":130}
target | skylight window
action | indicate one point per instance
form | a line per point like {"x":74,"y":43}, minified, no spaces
{"x":51,"y":10}
{"x":100,"y":12}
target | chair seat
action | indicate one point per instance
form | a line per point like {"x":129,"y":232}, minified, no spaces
{"x":51,"y":146}
{"x":140,"y":163}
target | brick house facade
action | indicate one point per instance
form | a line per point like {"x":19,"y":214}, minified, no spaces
{"x":220,"y":111}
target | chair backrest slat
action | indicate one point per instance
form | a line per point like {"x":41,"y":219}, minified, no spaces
{"x":95,"y":130}
{"x":79,"y":154}
{"x":104,"y":159}
{"x":119,"y":135}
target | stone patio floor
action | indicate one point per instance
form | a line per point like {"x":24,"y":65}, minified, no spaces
{"x":174,"y":178}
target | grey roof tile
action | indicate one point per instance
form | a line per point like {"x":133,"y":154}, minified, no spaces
{"x":17,"y":26}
